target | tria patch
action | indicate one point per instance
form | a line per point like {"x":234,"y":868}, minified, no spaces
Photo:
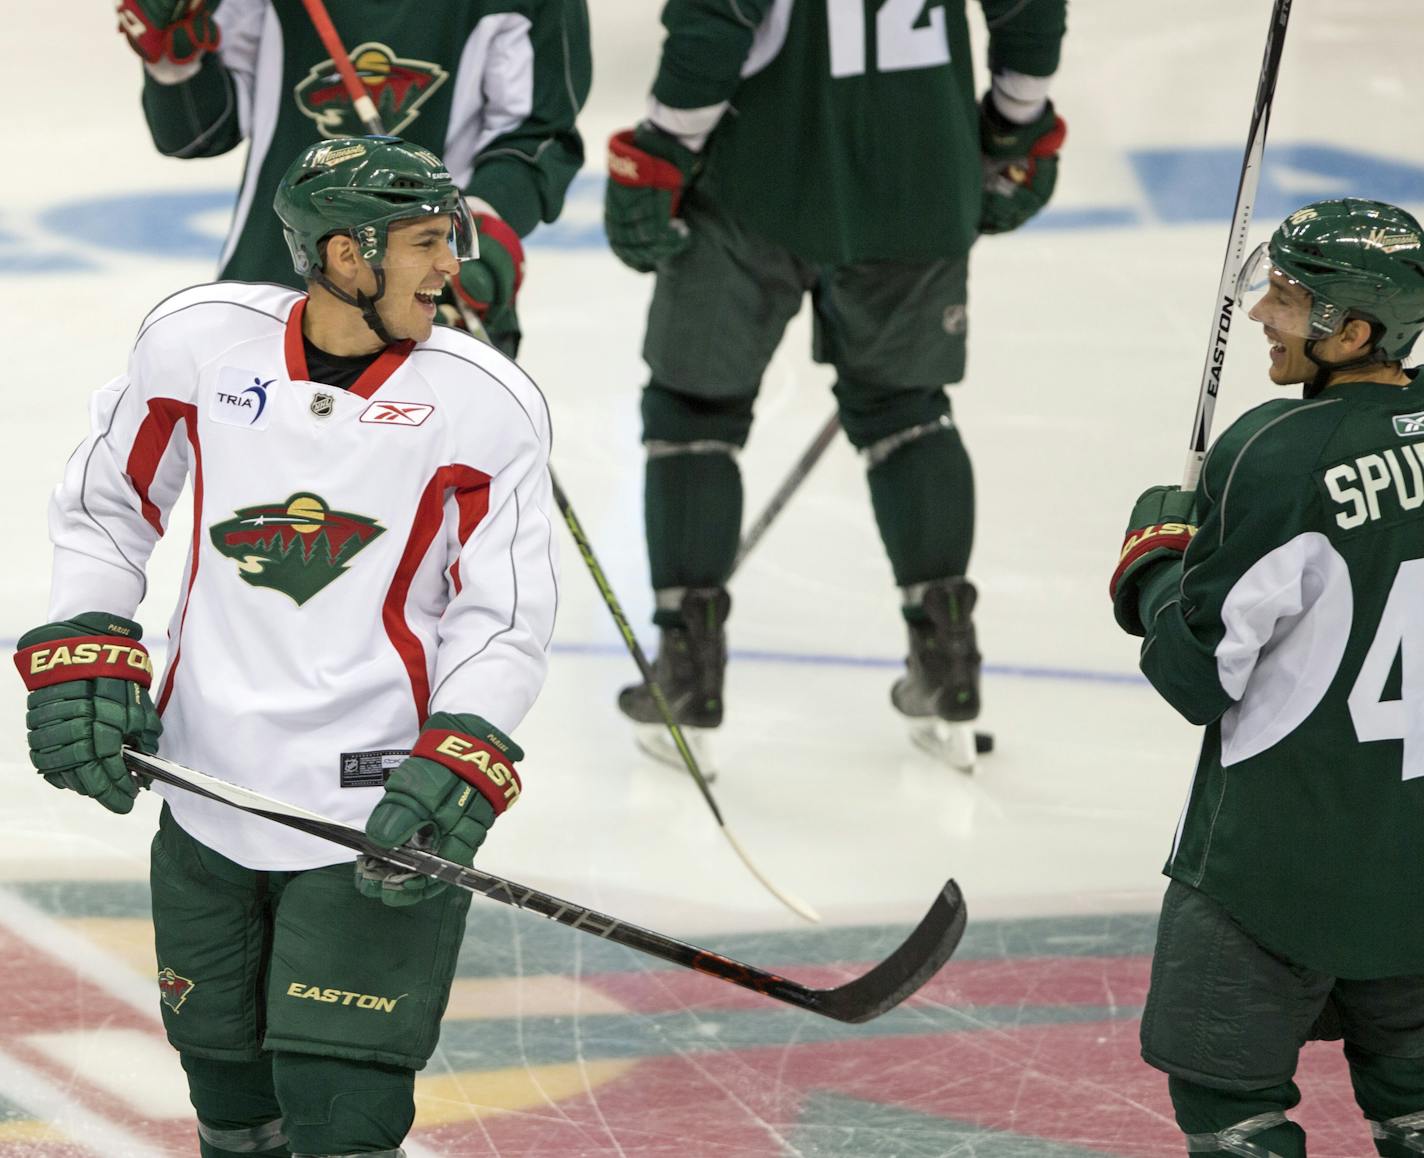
{"x":173,"y":989}
{"x":240,"y":398}
{"x":296,"y":547}
{"x":398,"y":86}
{"x":397,"y":413}
{"x":1409,"y":425}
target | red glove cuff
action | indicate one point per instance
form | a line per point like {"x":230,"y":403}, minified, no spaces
{"x":84,"y":657}
{"x":1052,"y":141}
{"x":474,"y":760}
{"x":631,"y":166}
{"x":488,"y":225}
{"x":1162,"y":537}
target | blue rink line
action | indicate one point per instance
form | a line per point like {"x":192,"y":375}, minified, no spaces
{"x":754,"y":655}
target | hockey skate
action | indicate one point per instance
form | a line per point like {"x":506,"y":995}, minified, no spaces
{"x":689,"y":669}
{"x":939,"y":692}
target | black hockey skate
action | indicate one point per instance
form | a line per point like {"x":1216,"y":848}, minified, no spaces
{"x":689,"y":669}
{"x":939,"y":691}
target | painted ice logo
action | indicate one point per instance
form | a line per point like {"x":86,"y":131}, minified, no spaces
{"x":174,"y":990}
{"x":240,"y":398}
{"x":1409,"y":425}
{"x":397,"y":86}
{"x":397,"y":413}
{"x":296,"y":547}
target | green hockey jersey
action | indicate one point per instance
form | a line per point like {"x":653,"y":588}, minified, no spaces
{"x":1296,"y":635}
{"x":492,"y":86}
{"x":846,"y":130}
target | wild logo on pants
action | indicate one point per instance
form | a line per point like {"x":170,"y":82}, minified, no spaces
{"x":173,"y":989}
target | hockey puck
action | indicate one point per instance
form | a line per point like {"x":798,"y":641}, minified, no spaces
{"x":983,"y":742}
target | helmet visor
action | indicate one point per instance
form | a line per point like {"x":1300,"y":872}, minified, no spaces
{"x":413,"y":240}
{"x":1279,"y":302}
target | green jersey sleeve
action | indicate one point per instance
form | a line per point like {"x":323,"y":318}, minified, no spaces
{"x":525,"y":171}
{"x":1025,"y":35}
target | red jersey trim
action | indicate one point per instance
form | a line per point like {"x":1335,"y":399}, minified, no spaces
{"x":190,"y":416}
{"x":471,"y":489}
{"x":372,"y":378}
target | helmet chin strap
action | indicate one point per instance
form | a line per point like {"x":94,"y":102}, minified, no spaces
{"x":1324,"y":369}
{"x":362,"y":301}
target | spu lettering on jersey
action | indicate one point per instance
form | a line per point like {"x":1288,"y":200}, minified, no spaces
{"x":1378,"y":487}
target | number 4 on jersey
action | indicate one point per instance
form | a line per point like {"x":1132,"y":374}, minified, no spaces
{"x":1400,"y":633}
{"x":900,"y":42}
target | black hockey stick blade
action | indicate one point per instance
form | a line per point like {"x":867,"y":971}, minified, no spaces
{"x":929,"y":945}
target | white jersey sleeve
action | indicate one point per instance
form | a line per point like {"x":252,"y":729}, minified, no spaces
{"x":119,"y":486}
{"x":494,"y":635}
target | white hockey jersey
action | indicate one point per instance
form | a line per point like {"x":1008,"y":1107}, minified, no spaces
{"x":360,"y":558}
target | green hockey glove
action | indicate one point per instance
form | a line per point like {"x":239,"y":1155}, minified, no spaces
{"x":443,"y":798}
{"x":88,"y":679}
{"x":1020,"y":165}
{"x":1158,"y":531}
{"x":648,"y":172}
{"x":169,"y":31}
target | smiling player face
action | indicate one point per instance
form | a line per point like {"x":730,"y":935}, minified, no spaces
{"x":417,"y":261}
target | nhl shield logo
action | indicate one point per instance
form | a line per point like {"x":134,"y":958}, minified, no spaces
{"x":173,"y":989}
{"x":322,"y":405}
{"x":296,"y":547}
{"x":398,"y":87}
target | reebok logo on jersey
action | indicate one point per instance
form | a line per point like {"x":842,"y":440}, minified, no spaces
{"x":240,"y":398}
{"x":296,"y":547}
{"x":397,"y":413}
{"x":1409,"y":425}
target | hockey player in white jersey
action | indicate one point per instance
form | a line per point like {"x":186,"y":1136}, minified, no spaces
{"x":364,"y":619}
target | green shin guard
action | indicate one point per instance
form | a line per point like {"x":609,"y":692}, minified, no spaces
{"x":1241,"y":1123}
{"x":335,"y":1107}
{"x":922,"y":490}
{"x":693,"y":511}
{"x":238,"y":1114}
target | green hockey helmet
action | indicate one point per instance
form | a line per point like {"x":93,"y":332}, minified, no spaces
{"x":1355,"y":259}
{"x":359,"y":186}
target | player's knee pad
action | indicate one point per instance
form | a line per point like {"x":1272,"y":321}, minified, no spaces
{"x":334,"y":1107}
{"x":871,"y":413}
{"x":710,"y":425}
{"x":882,"y":449}
{"x":238,"y":1112}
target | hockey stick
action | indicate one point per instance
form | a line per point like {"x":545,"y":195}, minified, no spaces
{"x":1236,"y":244}
{"x":930,"y":944}
{"x":645,"y":669}
{"x":812,"y":455}
{"x":366,"y":110}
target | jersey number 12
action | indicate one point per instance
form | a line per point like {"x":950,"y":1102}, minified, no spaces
{"x":901,"y":43}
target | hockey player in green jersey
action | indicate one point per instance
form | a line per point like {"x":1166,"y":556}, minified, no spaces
{"x":794,"y":147}
{"x":1282,"y":607}
{"x":492,"y":86}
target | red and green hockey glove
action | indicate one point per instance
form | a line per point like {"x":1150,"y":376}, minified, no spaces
{"x":1020,"y":165}
{"x":169,"y":31}
{"x":489,"y":284}
{"x":648,"y":172}
{"x":442,"y":798}
{"x":88,"y":679}
{"x":1158,"y":532}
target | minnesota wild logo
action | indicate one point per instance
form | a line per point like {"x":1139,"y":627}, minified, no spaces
{"x":296,"y":547}
{"x":397,"y":86}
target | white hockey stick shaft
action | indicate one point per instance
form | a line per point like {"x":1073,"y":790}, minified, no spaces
{"x":1226,"y":299}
